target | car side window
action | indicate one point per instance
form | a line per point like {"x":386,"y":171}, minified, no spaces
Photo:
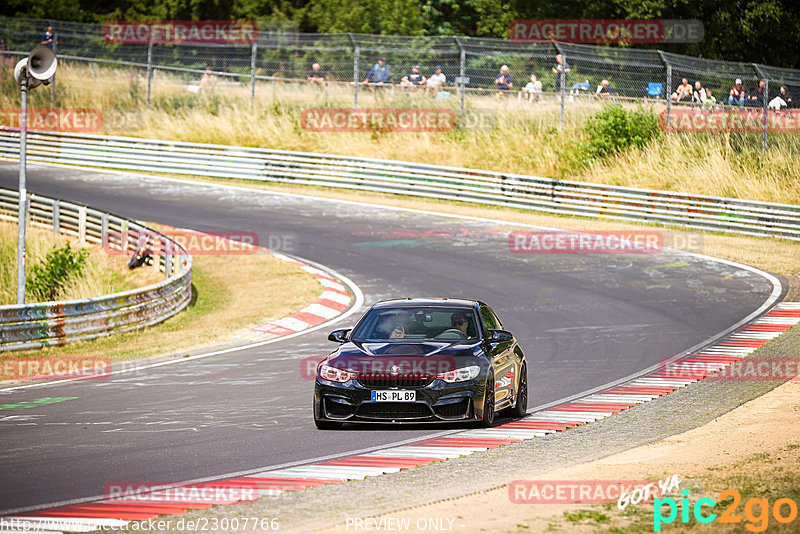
{"x":488,"y":318}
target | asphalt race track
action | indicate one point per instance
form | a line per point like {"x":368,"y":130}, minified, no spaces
{"x":583,"y":320}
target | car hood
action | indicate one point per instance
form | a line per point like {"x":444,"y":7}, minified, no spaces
{"x":417,"y":358}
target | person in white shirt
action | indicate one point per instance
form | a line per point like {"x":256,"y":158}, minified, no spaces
{"x":436,"y":81}
{"x":699,"y":94}
{"x":532,"y":90}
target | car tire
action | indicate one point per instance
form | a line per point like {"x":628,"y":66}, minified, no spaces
{"x":520,"y":409}
{"x":488,"y":402}
{"x":327,"y":425}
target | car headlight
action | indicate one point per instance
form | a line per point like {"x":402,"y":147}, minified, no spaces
{"x":335,"y":374}
{"x":460,"y":375}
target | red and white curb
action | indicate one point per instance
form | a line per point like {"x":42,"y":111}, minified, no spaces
{"x":332,"y":302}
{"x":89,"y":516}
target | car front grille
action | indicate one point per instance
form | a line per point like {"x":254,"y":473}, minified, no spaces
{"x":377,"y":381}
{"x":394,"y":410}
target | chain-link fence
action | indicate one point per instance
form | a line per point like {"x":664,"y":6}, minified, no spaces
{"x":277,"y":67}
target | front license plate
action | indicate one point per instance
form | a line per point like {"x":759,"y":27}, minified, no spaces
{"x":394,"y":395}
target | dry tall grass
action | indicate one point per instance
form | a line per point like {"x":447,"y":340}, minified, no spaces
{"x":526,"y":138}
{"x":104,"y":273}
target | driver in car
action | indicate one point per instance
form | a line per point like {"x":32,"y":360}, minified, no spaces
{"x":459,"y":321}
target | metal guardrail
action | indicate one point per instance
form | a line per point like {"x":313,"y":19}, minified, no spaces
{"x":27,"y":326}
{"x":416,"y":179}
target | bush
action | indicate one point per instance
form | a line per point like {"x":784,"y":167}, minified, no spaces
{"x":612,"y":130}
{"x":615,"y":129}
{"x":51,"y":274}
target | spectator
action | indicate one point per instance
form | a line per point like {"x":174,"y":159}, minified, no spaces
{"x":504,"y":81}
{"x":558,"y":68}
{"x":737,"y":94}
{"x":699,"y":93}
{"x":533,"y":89}
{"x":317,"y":75}
{"x":684,"y":92}
{"x":47,"y":38}
{"x":414,"y":79}
{"x":436,"y":81}
{"x":786,"y":96}
{"x":605,"y":89}
{"x":783,"y":100}
{"x":208,"y":81}
{"x":378,"y":74}
{"x":708,"y":100}
{"x":756,"y":100}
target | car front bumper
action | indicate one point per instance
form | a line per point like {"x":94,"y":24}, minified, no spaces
{"x":439,"y":401}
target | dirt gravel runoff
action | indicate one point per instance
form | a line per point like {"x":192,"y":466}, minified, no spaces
{"x":749,"y":444}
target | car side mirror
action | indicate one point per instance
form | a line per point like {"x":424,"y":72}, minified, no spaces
{"x":500,"y":335}
{"x":339,"y":336}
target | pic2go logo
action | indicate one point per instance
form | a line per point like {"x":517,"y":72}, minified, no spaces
{"x":756,"y":511}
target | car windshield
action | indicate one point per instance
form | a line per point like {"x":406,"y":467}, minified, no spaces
{"x":425,"y":323}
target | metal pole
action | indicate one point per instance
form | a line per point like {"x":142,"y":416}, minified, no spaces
{"x":23,"y":193}
{"x":667,"y":93}
{"x":253,"y":76}
{"x":356,"y":53}
{"x":765,"y":119}
{"x":766,"y":116}
{"x":53,"y":79}
{"x":149,"y":71}
{"x":563,"y":76}
{"x":462,"y":72}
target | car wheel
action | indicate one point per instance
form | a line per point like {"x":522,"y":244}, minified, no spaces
{"x":327,"y":425}
{"x":521,"y":407}
{"x":488,"y":402}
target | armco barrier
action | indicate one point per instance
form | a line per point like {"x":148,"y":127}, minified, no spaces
{"x":417,"y":179}
{"x":26,"y":326}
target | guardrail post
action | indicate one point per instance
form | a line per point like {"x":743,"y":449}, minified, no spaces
{"x":760,"y":73}
{"x":168,"y":257}
{"x":668,"y":88}
{"x":82,"y":224}
{"x":104,"y":230}
{"x":123,"y":240}
{"x":149,"y":71}
{"x":156,"y":255}
{"x":56,"y":216}
{"x":356,"y":53}
{"x":253,"y":76}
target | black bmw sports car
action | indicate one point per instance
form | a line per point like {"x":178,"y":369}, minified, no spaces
{"x":421,"y":360}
